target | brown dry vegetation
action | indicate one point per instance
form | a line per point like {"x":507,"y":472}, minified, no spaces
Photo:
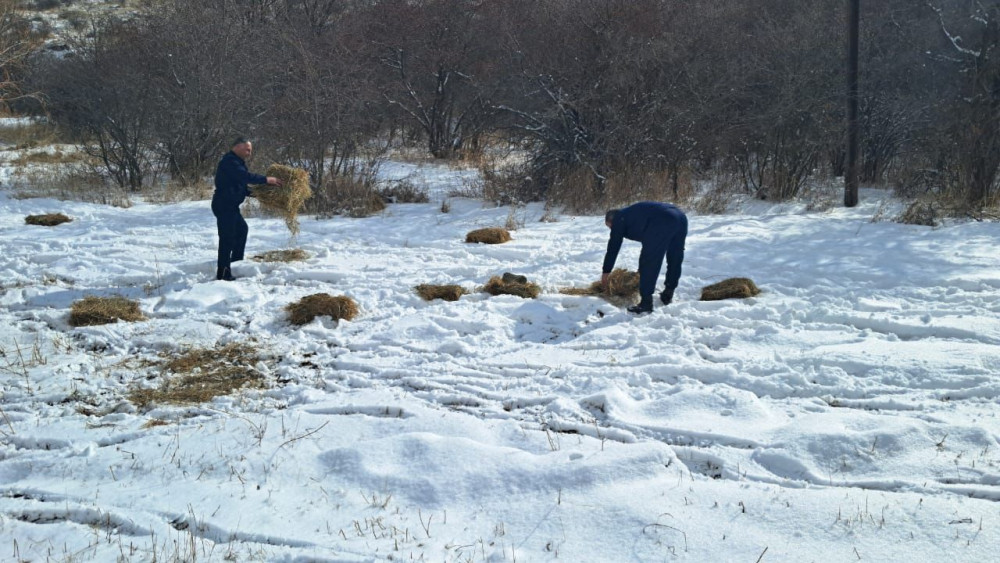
{"x":287,"y":199}
{"x":430,"y":292}
{"x":623,"y":288}
{"x":291,"y":255}
{"x":732,"y":288}
{"x":92,"y":310}
{"x":47,"y":219}
{"x":489,"y":235}
{"x":512,"y":284}
{"x":200,"y":375}
{"x":321,"y":304}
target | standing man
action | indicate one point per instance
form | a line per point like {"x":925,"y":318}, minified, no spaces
{"x":662,"y":229}
{"x":231,"y":179}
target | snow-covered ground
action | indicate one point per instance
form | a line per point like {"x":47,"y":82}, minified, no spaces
{"x":847,"y":413}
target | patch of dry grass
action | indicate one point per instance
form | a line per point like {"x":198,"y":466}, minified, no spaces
{"x":91,"y":311}
{"x":445,"y":292}
{"x":309,"y":307}
{"x":489,"y":235}
{"x":290,"y":255}
{"x":286,"y":199}
{"x":200,"y":375}
{"x":72,"y":182}
{"x":732,"y":288}
{"x":623,"y":288}
{"x":56,"y":156}
{"x":47,"y":219}
{"x":512,"y":284}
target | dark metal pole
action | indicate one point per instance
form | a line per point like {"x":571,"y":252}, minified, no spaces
{"x":851,"y":174}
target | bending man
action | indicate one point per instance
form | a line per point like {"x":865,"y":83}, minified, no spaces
{"x":231,"y":179}
{"x":662,"y":229}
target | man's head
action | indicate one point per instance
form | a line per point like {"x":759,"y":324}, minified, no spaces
{"x":242,"y":148}
{"x":609,"y":217}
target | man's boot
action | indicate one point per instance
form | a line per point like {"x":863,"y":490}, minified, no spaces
{"x":667,"y":296}
{"x":645,"y":306}
{"x":224,"y":274}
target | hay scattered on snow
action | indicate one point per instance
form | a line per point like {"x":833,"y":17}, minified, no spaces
{"x":286,"y":199}
{"x":292,"y":255}
{"x":623,"y":288}
{"x":489,"y":235}
{"x":203,"y":374}
{"x":47,"y":219}
{"x":321,"y":304}
{"x":512,"y":284}
{"x":446,"y":292}
{"x":91,"y":311}
{"x":732,"y":288}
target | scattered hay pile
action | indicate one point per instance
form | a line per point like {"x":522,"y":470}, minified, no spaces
{"x":490,"y":235}
{"x":321,"y":304}
{"x":203,"y":375}
{"x":292,"y":255}
{"x":285,"y":200}
{"x":47,"y":219}
{"x":623,"y":288}
{"x":446,"y":292}
{"x":91,"y":311}
{"x":921,"y":213}
{"x":732,"y":288}
{"x":512,"y":284}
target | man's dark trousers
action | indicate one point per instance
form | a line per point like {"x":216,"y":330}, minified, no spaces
{"x":665,"y":238}
{"x":232,"y":235}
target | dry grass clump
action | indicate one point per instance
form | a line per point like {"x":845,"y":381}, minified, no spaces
{"x":290,"y":255}
{"x":91,"y":311}
{"x":623,"y":288}
{"x":489,"y":235}
{"x":286,"y":199}
{"x":47,"y":219}
{"x":512,"y":284}
{"x":919,"y":212}
{"x":446,"y":292}
{"x":732,"y":288}
{"x":202,"y":375}
{"x":353,"y":195}
{"x":404,"y":191}
{"x":321,"y":304}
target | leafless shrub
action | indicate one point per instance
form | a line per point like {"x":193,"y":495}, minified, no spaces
{"x":921,"y":212}
{"x":347,"y":196}
{"x":71,"y":182}
{"x":404,"y":191}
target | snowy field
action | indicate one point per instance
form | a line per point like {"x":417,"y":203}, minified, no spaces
{"x":847,"y":413}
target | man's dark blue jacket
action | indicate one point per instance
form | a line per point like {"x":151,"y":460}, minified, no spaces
{"x":645,"y":222}
{"x":231,"y":179}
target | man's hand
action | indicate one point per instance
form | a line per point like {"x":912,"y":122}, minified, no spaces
{"x":272,"y":181}
{"x":604,"y":281}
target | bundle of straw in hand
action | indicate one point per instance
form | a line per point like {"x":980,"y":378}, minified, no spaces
{"x":286,"y":199}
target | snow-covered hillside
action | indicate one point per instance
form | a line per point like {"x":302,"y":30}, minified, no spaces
{"x":847,"y":413}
